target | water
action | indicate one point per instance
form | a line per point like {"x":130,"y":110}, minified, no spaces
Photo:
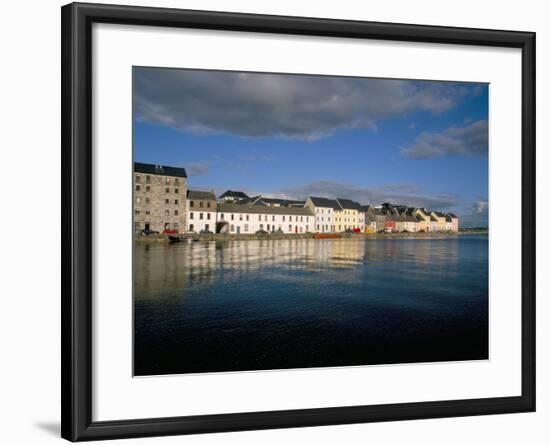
{"x":251,"y":305}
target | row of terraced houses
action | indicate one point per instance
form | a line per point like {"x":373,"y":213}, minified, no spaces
{"x":164,"y":203}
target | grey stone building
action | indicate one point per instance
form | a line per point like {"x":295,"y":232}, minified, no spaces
{"x":159,"y":198}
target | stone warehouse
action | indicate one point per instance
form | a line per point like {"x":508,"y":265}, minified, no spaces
{"x":164,"y":204}
{"x":159,"y":198}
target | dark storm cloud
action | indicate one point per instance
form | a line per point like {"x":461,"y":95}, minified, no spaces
{"x":469,"y":140}
{"x":292,"y":106}
{"x":404,"y":194}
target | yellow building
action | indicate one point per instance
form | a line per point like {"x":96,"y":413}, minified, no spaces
{"x":348,"y":217}
{"x":423,"y":217}
{"x":440,"y":221}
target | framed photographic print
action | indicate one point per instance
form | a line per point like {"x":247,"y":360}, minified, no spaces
{"x":275,"y":222}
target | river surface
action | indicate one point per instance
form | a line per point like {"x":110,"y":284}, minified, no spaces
{"x":251,"y":305}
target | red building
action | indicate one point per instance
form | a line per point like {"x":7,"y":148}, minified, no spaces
{"x":389,"y":225}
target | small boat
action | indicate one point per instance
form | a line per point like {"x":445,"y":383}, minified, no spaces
{"x":326,"y":235}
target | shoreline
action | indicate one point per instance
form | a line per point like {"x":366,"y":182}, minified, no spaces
{"x":162,"y":238}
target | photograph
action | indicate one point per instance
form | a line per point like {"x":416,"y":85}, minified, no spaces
{"x":290,"y":220}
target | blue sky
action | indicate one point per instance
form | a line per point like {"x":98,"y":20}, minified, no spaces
{"x":420,"y":143}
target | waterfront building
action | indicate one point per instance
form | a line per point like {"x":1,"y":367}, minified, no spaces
{"x":376,"y":217}
{"x":423,"y":217}
{"x":440,"y":219}
{"x":390,"y":223}
{"x":448,"y":223}
{"x":250,"y":218}
{"x":201,"y":211}
{"x":232,"y":196}
{"x":347,"y":217}
{"x":409,"y":223}
{"x":159,"y":198}
{"x":324,"y":210}
{"x":433,"y":223}
{"x":454,"y":222}
{"x":272,"y":202}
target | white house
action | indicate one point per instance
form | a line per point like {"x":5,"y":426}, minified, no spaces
{"x":201,"y":211}
{"x":323,"y":209}
{"x":248,"y":218}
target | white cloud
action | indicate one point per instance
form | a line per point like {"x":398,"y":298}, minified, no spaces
{"x":469,"y":140}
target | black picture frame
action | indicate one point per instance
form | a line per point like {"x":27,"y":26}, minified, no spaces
{"x":76,"y":129}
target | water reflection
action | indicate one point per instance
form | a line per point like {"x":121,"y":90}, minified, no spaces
{"x":162,"y":267}
{"x":241,"y":305}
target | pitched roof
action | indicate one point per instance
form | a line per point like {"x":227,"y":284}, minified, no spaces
{"x":198,"y":194}
{"x":348,"y":204}
{"x":283,"y":202}
{"x":325,"y":202}
{"x":452,"y":215}
{"x":244,"y":208}
{"x":233,"y":194}
{"x":162,"y":170}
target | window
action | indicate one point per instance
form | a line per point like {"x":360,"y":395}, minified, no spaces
{"x":268,"y":227}
{"x":201,"y":215}
{"x":191,"y":227}
{"x":137,"y":211}
{"x":147,"y":200}
{"x":136,"y":227}
{"x":176,"y":212}
{"x":261,"y":227}
{"x":167,"y":181}
{"x":232,"y":217}
{"x":166,"y":201}
{"x":207,"y":227}
{"x":175,"y":201}
{"x":166,"y":226}
{"x":283,"y":218}
{"x":246,"y":227}
{"x":200,"y":204}
{"x":307,"y":228}
{"x":301,"y":219}
{"x":208,"y":215}
{"x":177,"y":181}
{"x":208,"y":204}
{"x":290,"y":227}
{"x":176,"y":190}
{"x":147,"y":212}
{"x":240,"y":217}
{"x":176,"y":227}
{"x":232,"y":228}
{"x":290,"y":218}
{"x":247,"y":217}
{"x":166,"y":212}
{"x":191,"y":216}
{"x":191,"y":203}
{"x":273,"y":218}
{"x":148,"y":179}
{"x":167,"y":189}
{"x":138,"y":200}
{"x":221,"y":216}
{"x":138,"y":178}
{"x":138,"y":188}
